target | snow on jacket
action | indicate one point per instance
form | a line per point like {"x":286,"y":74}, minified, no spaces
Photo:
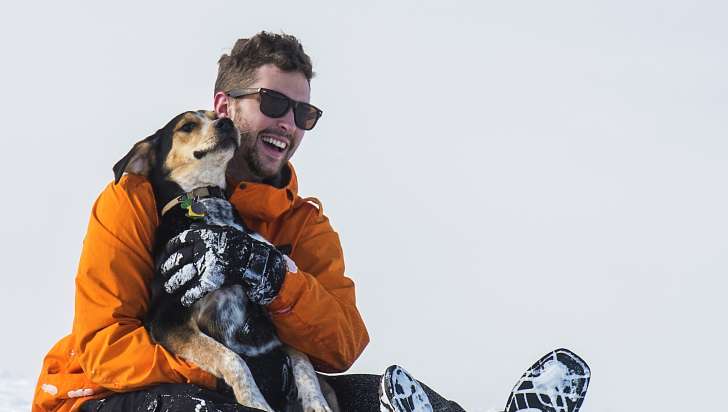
{"x":109,"y":350}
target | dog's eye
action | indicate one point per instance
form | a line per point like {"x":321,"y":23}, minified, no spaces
{"x":188,"y":127}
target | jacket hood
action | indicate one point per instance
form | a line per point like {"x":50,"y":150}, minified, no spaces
{"x":263,"y":201}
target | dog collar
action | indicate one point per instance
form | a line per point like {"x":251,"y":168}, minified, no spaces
{"x":188,"y":200}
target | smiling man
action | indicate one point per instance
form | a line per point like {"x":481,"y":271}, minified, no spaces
{"x":109,"y":362}
{"x":268,"y":140}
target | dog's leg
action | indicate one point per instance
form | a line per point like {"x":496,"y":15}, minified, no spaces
{"x":215,"y":358}
{"x":329,"y":393}
{"x":307,"y":383}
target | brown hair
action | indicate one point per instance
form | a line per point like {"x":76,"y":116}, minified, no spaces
{"x":238,"y":68}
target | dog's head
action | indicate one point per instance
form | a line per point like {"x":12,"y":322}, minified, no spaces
{"x":191,"y":151}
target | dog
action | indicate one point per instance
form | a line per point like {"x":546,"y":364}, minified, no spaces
{"x":223,"y":332}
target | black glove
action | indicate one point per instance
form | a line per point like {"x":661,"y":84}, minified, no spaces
{"x":212,"y":255}
{"x":263,"y":271}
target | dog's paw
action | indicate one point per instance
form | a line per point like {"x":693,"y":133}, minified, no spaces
{"x":316,"y":405}
{"x":251,"y":397}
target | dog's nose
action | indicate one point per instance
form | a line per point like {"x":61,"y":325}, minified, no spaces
{"x":224,"y":124}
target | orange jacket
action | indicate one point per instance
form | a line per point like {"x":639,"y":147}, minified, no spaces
{"x":110,"y":350}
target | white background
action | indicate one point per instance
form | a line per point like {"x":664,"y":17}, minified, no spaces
{"x":506,"y":177}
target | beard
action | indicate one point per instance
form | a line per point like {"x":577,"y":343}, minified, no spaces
{"x":249,"y":164}
{"x":251,"y":157}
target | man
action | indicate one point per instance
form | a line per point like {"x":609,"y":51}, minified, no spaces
{"x":108,"y":362}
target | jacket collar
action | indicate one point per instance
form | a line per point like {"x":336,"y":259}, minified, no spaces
{"x":263,"y":201}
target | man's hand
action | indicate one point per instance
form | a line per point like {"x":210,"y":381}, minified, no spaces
{"x":200,"y":253}
{"x":263,"y":271}
{"x":213,"y":255}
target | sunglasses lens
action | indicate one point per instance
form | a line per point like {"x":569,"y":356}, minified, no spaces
{"x":273,"y":104}
{"x":306,"y":116}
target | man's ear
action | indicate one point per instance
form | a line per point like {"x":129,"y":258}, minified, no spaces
{"x":220,"y":103}
{"x":139,"y":160}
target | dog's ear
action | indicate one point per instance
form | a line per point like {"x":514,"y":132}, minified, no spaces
{"x":139,"y":160}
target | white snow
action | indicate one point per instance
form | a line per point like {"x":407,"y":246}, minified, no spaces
{"x":219,"y":212}
{"x":290,"y":264}
{"x":80,"y":392}
{"x":410,"y":389}
{"x":48,"y":388}
{"x":16,"y":393}
{"x":201,"y":404}
{"x":180,"y":277}
{"x":172,"y":261}
{"x":553,"y":380}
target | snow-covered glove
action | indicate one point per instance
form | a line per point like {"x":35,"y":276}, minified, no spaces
{"x":201,"y":253}
{"x":212,"y":255}
{"x":263,"y":270}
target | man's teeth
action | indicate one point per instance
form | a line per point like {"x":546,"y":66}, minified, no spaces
{"x":275,"y":142}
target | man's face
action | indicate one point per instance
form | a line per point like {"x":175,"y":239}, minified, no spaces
{"x":266,"y":143}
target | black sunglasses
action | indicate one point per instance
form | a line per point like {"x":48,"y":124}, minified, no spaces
{"x":274,"y":104}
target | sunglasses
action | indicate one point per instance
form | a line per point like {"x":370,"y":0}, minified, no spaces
{"x":274,"y":104}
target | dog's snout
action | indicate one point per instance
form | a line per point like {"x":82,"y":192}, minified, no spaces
{"x":224,"y":124}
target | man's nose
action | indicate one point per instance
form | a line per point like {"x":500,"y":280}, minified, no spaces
{"x":287,"y":122}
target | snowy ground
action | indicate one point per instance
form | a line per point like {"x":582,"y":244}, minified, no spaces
{"x":15,"y":393}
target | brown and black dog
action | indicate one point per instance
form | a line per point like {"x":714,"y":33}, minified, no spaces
{"x":223,"y":332}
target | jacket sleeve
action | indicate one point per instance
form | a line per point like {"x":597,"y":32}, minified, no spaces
{"x":315,"y":310}
{"x":112,"y":295}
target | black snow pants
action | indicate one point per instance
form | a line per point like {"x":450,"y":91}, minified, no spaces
{"x":357,"y":393}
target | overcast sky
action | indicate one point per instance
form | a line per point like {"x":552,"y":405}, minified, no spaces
{"x":506,"y":177}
